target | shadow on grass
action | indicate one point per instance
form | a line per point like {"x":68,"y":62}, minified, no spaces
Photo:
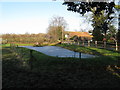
{"x":51,"y":72}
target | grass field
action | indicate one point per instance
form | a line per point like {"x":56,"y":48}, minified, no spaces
{"x":54,"y":72}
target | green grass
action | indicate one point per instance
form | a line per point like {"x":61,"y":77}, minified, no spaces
{"x":53,"y":72}
{"x":25,"y":44}
{"x":5,"y":45}
{"x":91,"y":50}
{"x":8,"y":45}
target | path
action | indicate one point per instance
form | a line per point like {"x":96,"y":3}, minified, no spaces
{"x":58,"y":51}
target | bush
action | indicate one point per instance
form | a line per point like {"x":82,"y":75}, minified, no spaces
{"x":110,"y":41}
{"x":37,"y":44}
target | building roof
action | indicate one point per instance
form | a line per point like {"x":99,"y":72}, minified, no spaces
{"x":80,"y":34}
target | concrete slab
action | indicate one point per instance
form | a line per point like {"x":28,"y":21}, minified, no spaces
{"x":58,"y":51}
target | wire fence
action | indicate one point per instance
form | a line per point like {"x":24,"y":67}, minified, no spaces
{"x":26,"y":56}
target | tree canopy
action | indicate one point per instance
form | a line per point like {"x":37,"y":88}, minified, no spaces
{"x":83,"y":7}
{"x":56,"y":28}
{"x":102,"y":14}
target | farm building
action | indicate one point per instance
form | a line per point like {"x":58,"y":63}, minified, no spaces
{"x":80,"y":35}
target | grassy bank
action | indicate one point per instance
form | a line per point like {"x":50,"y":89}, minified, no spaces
{"x":53,"y":72}
{"x":31,"y":44}
{"x":91,"y":50}
{"x":8,"y":45}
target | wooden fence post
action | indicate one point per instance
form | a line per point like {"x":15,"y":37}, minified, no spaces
{"x":83,"y":43}
{"x":95,"y":43}
{"x":116,"y":46}
{"x":30,"y":61}
{"x":80,"y":55}
{"x":88,"y":43}
{"x":104,"y":44}
{"x":74,"y":54}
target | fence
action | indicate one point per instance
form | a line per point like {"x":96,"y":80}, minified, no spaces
{"x":97,"y":44}
{"x":26,"y":56}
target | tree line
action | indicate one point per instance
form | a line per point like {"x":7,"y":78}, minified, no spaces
{"x":23,"y":38}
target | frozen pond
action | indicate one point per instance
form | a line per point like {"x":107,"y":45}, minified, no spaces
{"x":58,"y":51}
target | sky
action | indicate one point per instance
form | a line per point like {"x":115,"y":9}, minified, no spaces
{"x":34,"y":17}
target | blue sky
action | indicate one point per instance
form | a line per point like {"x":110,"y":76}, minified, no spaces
{"x":34,"y":17}
{"x":15,"y":10}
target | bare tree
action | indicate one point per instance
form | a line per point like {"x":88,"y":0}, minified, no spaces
{"x":57,"y":27}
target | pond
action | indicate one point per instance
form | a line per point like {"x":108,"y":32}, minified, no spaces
{"x":59,"y":52}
